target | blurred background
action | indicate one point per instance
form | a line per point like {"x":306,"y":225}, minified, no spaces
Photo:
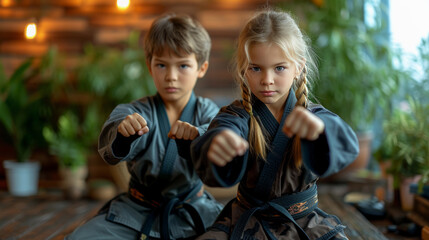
{"x":65,"y":64}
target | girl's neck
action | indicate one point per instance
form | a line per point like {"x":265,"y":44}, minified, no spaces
{"x":278,"y":108}
{"x":277,"y":111}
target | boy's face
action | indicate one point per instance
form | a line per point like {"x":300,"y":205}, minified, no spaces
{"x":174,"y":76}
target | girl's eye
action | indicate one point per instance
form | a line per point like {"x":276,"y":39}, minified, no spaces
{"x":280,"y":68}
{"x":255,"y":69}
{"x":160,"y":65}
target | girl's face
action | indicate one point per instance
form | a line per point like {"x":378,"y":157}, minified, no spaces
{"x":175,"y":76}
{"x":270,"y":75}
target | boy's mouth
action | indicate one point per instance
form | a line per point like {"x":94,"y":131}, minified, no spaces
{"x":171,"y":90}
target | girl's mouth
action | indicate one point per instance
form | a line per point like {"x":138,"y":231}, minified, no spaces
{"x":267,"y":93}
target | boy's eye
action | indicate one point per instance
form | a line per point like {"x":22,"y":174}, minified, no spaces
{"x":184,"y":66}
{"x":280,"y":68}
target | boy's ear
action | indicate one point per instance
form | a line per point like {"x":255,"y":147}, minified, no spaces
{"x":203,"y":69}
{"x":148,"y":67}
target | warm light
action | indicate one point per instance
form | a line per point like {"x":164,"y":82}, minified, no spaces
{"x":123,"y":4}
{"x":6,"y":3}
{"x":30,"y":31}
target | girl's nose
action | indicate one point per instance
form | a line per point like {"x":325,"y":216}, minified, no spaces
{"x":267,"y":79}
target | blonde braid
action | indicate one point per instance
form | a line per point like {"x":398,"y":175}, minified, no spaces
{"x":301,"y":93}
{"x":257,"y":140}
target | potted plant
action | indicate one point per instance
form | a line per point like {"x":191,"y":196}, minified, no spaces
{"x":72,"y":141}
{"x":407,"y":137}
{"x":25,"y":107}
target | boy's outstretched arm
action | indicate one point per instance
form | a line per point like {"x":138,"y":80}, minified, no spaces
{"x":132,"y":124}
{"x":183,"y":130}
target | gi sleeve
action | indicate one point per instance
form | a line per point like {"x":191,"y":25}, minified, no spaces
{"x":336,"y":148}
{"x":209,"y":173}
{"x":205,"y":112}
{"x":112,"y":146}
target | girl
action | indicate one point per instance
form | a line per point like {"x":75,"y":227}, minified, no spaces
{"x":291,"y":141}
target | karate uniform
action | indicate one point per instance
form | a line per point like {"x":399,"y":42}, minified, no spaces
{"x":158,"y":174}
{"x":276,"y":200}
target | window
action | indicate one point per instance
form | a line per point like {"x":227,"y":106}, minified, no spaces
{"x":408,"y":25}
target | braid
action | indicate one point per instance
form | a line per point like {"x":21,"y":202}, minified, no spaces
{"x":256,"y":137}
{"x":301,"y":94}
{"x":245,"y":94}
{"x":301,"y":91}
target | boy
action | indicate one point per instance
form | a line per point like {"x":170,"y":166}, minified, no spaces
{"x":166,"y":198}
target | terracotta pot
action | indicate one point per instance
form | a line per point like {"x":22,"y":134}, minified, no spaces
{"x":74,"y":181}
{"x":361,"y":161}
{"x":407,"y":198}
{"x":121,"y":176}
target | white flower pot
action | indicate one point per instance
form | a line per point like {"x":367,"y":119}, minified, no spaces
{"x":22,"y":177}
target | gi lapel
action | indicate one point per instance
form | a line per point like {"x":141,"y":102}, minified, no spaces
{"x":164,"y":125}
{"x":278,"y":144}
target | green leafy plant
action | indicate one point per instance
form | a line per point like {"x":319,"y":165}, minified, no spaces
{"x":407,"y":137}
{"x":26,"y":102}
{"x":73,"y":138}
{"x":112,"y":76}
{"x":356,"y":60}
{"x":104,"y":77}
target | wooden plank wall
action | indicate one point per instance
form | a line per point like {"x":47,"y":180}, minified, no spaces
{"x":70,"y":24}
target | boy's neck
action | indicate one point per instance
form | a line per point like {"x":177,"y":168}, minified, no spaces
{"x":175,"y":108}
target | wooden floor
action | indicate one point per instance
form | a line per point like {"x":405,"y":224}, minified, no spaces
{"x":49,"y":216}
{"x":45,"y":216}
{"x":358,"y":227}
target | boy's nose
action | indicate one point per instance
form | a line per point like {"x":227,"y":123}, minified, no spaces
{"x":171,"y":74}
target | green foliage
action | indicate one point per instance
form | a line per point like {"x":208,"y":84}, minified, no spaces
{"x":26,"y":102}
{"x":73,"y":137}
{"x":407,"y":138}
{"x":357,"y":73}
{"x":106,"y":77}
{"x":114,"y":76}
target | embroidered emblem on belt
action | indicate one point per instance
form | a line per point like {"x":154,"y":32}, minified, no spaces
{"x":301,"y":206}
{"x":298,"y":207}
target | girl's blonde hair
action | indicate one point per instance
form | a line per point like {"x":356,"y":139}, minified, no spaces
{"x":274,"y":27}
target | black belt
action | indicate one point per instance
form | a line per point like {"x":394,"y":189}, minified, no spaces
{"x":164,"y":207}
{"x":291,"y":207}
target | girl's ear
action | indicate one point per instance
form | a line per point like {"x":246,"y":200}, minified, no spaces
{"x":203,"y":69}
{"x":301,"y":68}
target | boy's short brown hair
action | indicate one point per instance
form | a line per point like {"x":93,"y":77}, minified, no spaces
{"x":179,"y":33}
